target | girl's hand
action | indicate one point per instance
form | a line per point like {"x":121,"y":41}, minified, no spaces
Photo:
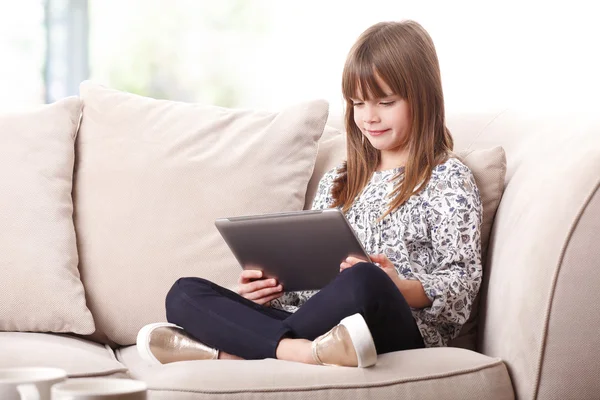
{"x":252,"y":286}
{"x":349,"y":262}
{"x":384,"y":263}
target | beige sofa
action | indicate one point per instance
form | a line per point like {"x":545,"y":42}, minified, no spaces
{"x":539,"y":329}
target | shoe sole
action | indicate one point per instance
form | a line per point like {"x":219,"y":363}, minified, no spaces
{"x":143,"y":342}
{"x":361,"y":340}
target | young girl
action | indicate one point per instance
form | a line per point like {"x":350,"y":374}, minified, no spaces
{"x":414,"y":206}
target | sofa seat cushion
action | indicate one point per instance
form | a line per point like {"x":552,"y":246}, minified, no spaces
{"x":79,"y":357}
{"x":435,"y":373}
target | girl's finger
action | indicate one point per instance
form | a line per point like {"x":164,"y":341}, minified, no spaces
{"x":375,"y":257}
{"x":261,"y":284}
{"x":250,"y":274}
{"x":267,"y":299}
{"x":259,"y":294}
{"x":253,"y":286}
{"x":385,"y":262}
{"x":353,"y":260}
{"x":381,"y":259}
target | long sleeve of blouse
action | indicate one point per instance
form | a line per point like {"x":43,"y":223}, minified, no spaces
{"x":453,"y":213}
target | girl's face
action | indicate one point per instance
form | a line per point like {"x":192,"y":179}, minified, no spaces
{"x":386,"y":123}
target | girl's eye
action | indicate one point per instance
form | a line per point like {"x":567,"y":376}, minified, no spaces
{"x":387,"y":103}
{"x":357,"y":104}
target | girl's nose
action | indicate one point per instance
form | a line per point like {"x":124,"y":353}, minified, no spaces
{"x":370,"y":115}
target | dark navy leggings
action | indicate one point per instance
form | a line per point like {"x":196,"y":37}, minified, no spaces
{"x":226,"y":321}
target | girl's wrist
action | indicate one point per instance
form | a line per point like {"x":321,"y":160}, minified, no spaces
{"x":413,"y":292}
{"x":401,"y":284}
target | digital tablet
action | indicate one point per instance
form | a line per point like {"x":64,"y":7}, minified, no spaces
{"x":302,"y":250}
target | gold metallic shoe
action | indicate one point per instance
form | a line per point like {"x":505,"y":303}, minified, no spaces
{"x":348,"y":344}
{"x":163,"y":343}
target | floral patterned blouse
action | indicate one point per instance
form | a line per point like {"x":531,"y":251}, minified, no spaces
{"x":434,"y":238}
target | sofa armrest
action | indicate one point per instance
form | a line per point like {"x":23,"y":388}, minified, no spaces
{"x":540,"y":292}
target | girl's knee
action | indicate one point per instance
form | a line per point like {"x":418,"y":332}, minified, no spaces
{"x":367,"y":272}
{"x":189,"y":285}
{"x":181,"y":288}
{"x":367,"y":281}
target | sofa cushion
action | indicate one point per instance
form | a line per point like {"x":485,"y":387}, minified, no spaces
{"x":440,"y":373}
{"x":332,"y":151}
{"x":78,"y":357}
{"x":489,"y":169}
{"x":151,"y":178}
{"x":40,"y":289}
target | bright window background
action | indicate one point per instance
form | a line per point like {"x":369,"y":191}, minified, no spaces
{"x":272,"y":53}
{"x":22,"y":53}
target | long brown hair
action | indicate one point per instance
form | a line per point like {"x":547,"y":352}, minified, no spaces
{"x":403,"y":56}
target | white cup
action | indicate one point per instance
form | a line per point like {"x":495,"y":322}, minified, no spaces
{"x":100,"y":389}
{"x":29,"y":383}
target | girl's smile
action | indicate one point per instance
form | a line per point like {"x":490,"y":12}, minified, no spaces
{"x":376,"y":132}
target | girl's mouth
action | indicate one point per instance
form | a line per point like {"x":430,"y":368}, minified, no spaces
{"x":377,"y":133}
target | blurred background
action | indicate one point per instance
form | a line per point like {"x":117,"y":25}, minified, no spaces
{"x":272,"y":53}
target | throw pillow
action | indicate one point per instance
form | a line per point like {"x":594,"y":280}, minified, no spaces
{"x":151,"y":178}
{"x":40,"y":289}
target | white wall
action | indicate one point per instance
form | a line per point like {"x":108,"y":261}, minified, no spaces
{"x":492,"y":54}
{"x":21,"y":53}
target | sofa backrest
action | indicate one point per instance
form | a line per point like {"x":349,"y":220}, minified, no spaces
{"x":539,"y":298}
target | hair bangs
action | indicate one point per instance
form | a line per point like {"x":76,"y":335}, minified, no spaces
{"x":361,"y":79}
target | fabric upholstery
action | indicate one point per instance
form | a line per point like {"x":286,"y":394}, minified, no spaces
{"x":76,"y":356}
{"x":332,"y":150}
{"x":40,"y":287}
{"x":151,"y":178}
{"x":540,"y":260}
{"x":570,"y":359}
{"x":442,"y":373}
